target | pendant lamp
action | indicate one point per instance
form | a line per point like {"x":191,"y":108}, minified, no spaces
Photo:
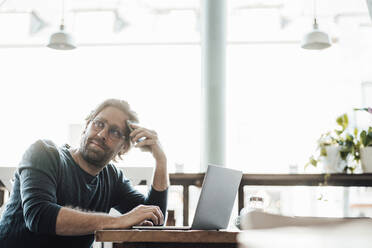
{"x":61,"y":40}
{"x":315,"y":39}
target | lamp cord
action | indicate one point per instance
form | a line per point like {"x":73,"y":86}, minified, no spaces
{"x":63,"y":12}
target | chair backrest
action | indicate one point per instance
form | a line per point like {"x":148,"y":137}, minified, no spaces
{"x":6,"y":176}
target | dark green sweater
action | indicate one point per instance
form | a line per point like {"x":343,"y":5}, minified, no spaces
{"x":47,"y":179}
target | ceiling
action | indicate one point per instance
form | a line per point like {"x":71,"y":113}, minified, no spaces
{"x":115,"y":21}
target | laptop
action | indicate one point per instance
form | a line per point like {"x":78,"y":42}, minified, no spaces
{"x":216,"y":201}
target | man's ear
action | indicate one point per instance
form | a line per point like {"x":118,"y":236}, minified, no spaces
{"x":124,"y":148}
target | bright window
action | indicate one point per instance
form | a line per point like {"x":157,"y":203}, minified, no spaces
{"x":45,"y":91}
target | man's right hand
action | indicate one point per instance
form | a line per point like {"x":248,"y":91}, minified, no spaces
{"x":141,"y":215}
{"x":72,"y":222}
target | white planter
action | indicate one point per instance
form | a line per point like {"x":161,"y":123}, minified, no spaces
{"x":333,"y":163}
{"x":366,"y":159}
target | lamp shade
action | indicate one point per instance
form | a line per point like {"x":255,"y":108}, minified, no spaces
{"x":316,"y":39}
{"x":61,"y":40}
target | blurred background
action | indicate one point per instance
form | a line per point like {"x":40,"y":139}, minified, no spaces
{"x":280,"y":97}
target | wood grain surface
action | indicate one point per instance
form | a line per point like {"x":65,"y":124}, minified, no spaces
{"x":166,"y":236}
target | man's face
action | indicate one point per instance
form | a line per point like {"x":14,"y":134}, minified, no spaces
{"x":102,"y":139}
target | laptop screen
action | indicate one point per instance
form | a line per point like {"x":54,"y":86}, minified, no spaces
{"x":217,"y":198}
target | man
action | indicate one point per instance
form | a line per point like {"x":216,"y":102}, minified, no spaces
{"x":62,"y":195}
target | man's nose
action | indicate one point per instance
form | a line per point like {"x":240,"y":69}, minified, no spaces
{"x":103,"y":133}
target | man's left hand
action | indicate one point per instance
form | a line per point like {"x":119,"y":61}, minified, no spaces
{"x":147,"y":140}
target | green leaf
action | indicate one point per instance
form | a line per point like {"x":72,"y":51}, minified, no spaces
{"x":314,"y":162}
{"x":346,"y":121}
{"x":344,"y":154}
{"x":343,"y":121}
{"x":363,"y":137}
{"x":323,"y":151}
{"x":339,"y":120}
{"x":368,"y":141}
{"x":338,"y":132}
{"x":349,"y":137}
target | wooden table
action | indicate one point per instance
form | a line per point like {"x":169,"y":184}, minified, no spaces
{"x":168,"y":238}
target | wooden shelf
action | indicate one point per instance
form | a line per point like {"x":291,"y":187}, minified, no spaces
{"x":346,"y":180}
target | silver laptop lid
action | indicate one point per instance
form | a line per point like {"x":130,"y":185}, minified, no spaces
{"x":217,"y":197}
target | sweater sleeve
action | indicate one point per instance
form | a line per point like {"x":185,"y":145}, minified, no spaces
{"x":127,"y":197}
{"x":38,"y":185}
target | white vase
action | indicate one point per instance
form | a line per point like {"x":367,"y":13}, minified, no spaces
{"x":332,"y":163}
{"x":366,"y":159}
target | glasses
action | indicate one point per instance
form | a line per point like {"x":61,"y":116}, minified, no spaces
{"x":113,"y":132}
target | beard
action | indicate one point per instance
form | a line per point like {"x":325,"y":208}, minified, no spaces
{"x":100,"y":156}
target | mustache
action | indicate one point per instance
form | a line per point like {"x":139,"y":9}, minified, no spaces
{"x":99,"y":142}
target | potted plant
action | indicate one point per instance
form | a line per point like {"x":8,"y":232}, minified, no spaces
{"x":334,"y":148}
{"x":341,"y":151}
{"x":365,"y":138}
